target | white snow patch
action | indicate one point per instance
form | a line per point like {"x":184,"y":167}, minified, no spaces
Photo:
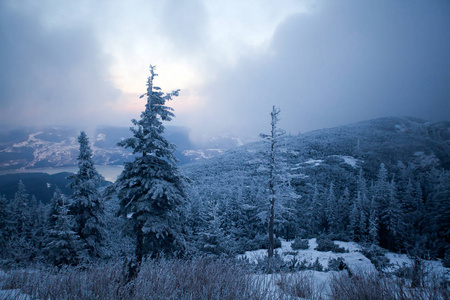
{"x":424,"y":160}
{"x":401,"y":128}
{"x":101,"y":137}
{"x":350,"y":160}
{"x":314,"y":162}
{"x":48,"y":185}
{"x":431,"y":267}
{"x":354,"y":258}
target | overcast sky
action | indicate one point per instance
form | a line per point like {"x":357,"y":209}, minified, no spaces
{"x":324,"y":63}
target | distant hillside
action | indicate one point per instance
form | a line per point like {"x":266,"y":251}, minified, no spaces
{"x":57,"y":146}
{"x":334,"y":154}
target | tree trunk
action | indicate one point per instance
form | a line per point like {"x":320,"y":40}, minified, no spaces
{"x":271,"y":220}
{"x":272,"y":183}
{"x":139,"y":243}
{"x":134,"y":265}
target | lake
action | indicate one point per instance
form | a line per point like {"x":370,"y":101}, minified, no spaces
{"x":110,"y":172}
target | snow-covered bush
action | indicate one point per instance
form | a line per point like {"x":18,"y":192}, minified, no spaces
{"x":261,"y":242}
{"x":324,"y":244}
{"x":316,"y":266}
{"x":376,"y":256}
{"x":300,"y":244}
{"x":334,"y":263}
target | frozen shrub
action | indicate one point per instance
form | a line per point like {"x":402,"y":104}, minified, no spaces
{"x":376,"y":255}
{"x":300,"y":244}
{"x":270,"y":265}
{"x":316,"y":266}
{"x":261,"y":242}
{"x":335,"y":263}
{"x":325,"y":244}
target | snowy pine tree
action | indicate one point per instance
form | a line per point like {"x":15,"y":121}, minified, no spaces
{"x":355,"y":219}
{"x":61,"y":242}
{"x":373,"y":224}
{"x":86,"y":205}
{"x":332,"y":210}
{"x":151,"y":189}
{"x":4,"y":230}
{"x":55,"y":203}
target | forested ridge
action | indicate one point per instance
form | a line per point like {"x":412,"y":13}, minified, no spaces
{"x":384,"y":182}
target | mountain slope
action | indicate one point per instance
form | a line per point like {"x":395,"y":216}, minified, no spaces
{"x":396,"y":142}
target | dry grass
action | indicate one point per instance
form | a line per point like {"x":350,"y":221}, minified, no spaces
{"x":375,"y":286}
{"x":205,"y":278}
{"x":300,"y":285}
{"x":161,"y":279}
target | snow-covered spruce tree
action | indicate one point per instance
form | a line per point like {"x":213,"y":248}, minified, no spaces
{"x":61,"y":241}
{"x":4,"y":230}
{"x":279,"y":188}
{"x":19,"y":226}
{"x":151,"y":189}
{"x":86,"y":205}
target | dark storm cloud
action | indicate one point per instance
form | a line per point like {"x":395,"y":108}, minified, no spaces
{"x":50,"y":75}
{"x":344,"y":62}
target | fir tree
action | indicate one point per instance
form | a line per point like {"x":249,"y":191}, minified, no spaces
{"x":86,"y":205}
{"x":373,"y":224}
{"x":61,"y":242}
{"x":344,"y":207}
{"x":332,"y":210}
{"x":151,"y":189}
{"x":394,"y":222}
{"x":313,"y":212}
{"x":55,"y":203}
{"x":20,"y":216}
{"x":4,"y":230}
{"x":354,"y":220}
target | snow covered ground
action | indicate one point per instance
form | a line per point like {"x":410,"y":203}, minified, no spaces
{"x":320,"y":280}
{"x":354,"y":259}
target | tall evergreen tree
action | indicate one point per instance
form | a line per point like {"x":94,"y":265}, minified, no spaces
{"x":86,"y":205}
{"x":151,"y":189}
